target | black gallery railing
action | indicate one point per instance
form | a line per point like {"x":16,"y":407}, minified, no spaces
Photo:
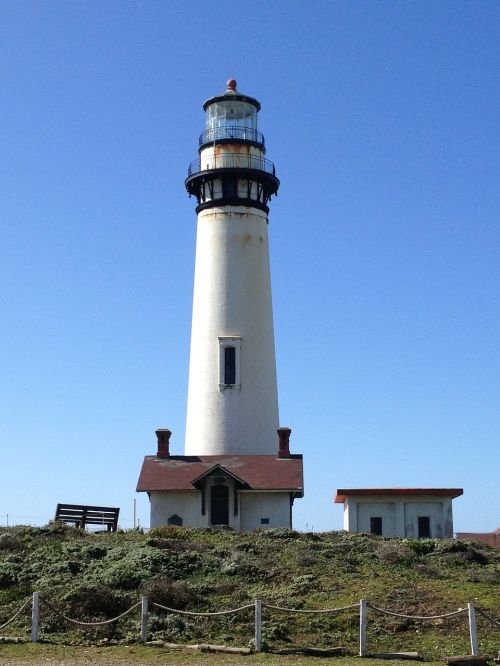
{"x":231,"y":132}
{"x":231,"y":161}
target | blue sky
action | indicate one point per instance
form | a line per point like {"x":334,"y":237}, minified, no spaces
{"x":382,"y":119}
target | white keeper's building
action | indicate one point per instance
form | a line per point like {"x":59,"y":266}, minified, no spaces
{"x":237,"y":469}
{"x":404,"y":512}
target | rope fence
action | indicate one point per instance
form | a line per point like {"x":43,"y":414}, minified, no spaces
{"x":200,"y":614}
{"x":89,"y":624}
{"x":417,"y":617}
{"x":488,"y":617}
{"x":258,"y":606}
{"x":310,"y":611}
{"x":16,"y":615}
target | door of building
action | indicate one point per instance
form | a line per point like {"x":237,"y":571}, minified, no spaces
{"x":219,"y":505}
{"x":376,"y":525}
{"x":424,"y":526}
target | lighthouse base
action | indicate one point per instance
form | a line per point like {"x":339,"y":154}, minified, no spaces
{"x":241,"y":492}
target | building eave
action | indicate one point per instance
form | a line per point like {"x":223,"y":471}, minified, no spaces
{"x":344,"y":493}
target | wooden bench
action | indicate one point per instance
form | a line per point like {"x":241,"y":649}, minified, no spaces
{"x":81,"y":515}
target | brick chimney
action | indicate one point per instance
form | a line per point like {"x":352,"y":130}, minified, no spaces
{"x":284,"y":442}
{"x":163,"y":436}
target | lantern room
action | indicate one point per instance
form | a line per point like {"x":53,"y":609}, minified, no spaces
{"x":231,"y":116}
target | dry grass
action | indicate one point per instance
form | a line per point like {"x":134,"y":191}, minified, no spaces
{"x":56,"y":655}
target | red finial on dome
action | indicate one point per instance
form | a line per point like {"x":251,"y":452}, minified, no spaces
{"x":231,"y":85}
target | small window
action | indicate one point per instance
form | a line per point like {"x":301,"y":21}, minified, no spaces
{"x":175,"y":520}
{"x":424,"y":527}
{"x":376,"y":525}
{"x":229,"y":360}
{"x":229,"y":365}
{"x":264,"y":521}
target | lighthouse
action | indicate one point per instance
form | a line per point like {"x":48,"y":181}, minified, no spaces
{"x":237,"y":469}
{"x":232,"y":395}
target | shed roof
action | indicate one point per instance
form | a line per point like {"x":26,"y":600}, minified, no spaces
{"x":451,"y":493}
{"x":259,"y":472}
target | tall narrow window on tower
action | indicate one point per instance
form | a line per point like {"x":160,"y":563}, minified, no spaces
{"x":229,"y":362}
{"x":229,"y":365}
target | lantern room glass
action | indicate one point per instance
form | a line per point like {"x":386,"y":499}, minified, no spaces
{"x":231,"y":113}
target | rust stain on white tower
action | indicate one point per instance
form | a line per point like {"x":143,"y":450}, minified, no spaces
{"x":232,"y":396}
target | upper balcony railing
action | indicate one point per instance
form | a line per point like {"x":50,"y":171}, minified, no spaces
{"x":231,"y":132}
{"x":231,"y":161}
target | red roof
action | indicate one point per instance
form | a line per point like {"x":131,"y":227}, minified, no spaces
{"x":259,"y":472}
{"x":491,"y":538}
{"x":342,"y":493}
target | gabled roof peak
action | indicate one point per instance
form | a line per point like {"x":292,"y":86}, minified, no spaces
{"x":218,"y":469}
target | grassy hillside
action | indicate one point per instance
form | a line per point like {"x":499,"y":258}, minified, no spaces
{"x":97,"y":576}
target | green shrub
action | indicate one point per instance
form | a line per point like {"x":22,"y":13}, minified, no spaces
{"x":466,"y":557}
{"x":8,"y":574}
{"x":275,"y":630}
{"x":306,"y":561}
{"x":168,"y":544}
{"x":428,"y":570}
{"x":277,"y":533}
{"x":171,"y":593}
{"x":125,"y":574}
{"x":304,"y":582}
{"x":93,"y":552}
{"x":421,"y":546}
{"x":91,"y":601}
{"x":470,"y":551}
{"x":169,"y":532}
{"x":174,"y":626}
{"x":10,"y":542}
{"x":483,"y":575}
{"x":395,"y":552}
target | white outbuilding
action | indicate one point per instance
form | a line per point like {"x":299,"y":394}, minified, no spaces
{"x":403,"y":512}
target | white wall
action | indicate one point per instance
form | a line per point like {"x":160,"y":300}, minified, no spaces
{"x":436,"y":513}
{"x":232,"y":297}
{"x":399,"y":515}
{"x":385,"y":510}
{"x":186,"y":504}
{"x":255,"y":505}
{"x":252,"y":506}
{"x":229,"y":154}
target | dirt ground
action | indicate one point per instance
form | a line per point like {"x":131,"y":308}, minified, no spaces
{"x":56,"y":655}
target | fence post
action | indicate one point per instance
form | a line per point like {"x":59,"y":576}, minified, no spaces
{"x":473,"y":630}
{"x":258,"y":626}
{"x":35,"y":616}
{"x":144,"y":619}
{"x":363,"y":621}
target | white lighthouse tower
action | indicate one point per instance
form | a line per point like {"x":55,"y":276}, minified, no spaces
{"x":232,"y":397}
{"x":235,"y":471}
